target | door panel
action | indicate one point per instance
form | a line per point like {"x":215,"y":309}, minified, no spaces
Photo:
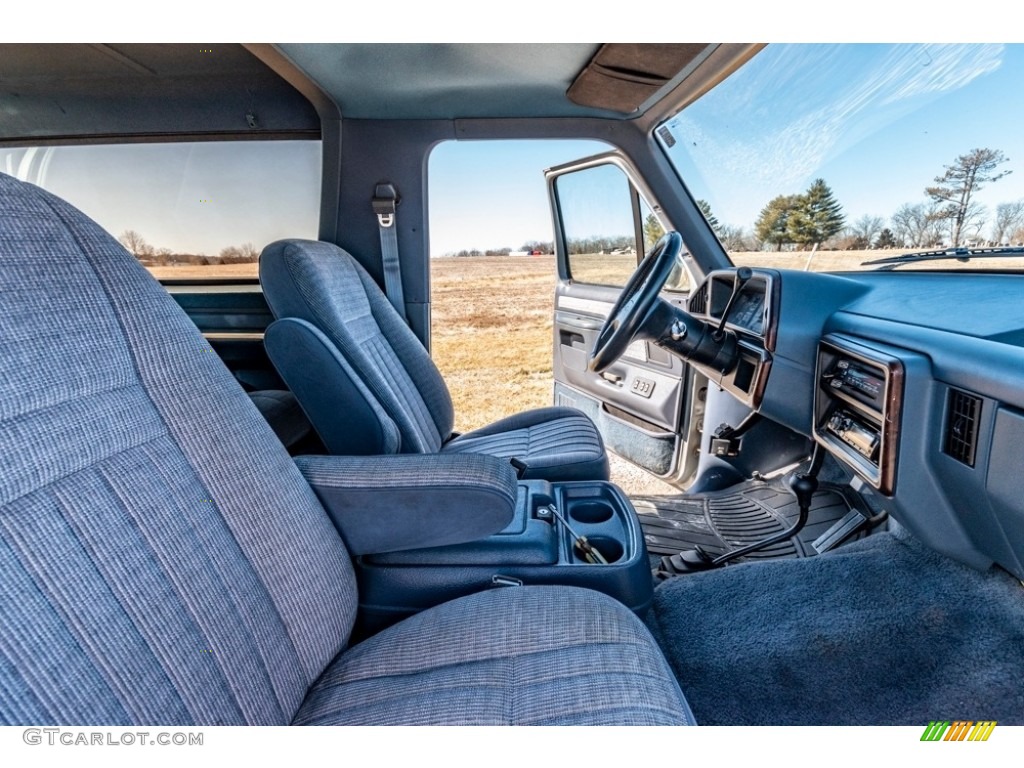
{"x":636,"y":403}
{"x":642,"y":403}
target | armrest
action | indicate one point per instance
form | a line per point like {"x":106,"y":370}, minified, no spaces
{"x":393,"y":503}
{"x":343,"y":411}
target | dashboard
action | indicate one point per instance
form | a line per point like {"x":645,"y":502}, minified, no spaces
{"x":913,"y":381}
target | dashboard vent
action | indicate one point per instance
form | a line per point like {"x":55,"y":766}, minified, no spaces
{"x":962,"y":413}
{"x":699,"y":301}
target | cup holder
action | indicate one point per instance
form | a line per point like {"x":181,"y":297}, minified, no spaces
{"x":611,"y":549}
{"x":591,"y":512}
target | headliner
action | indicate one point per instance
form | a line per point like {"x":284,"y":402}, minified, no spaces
{"x":416,"y":80}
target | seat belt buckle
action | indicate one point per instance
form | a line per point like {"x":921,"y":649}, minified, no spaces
{"x":385,"y":199}
{"x":385,"y":210}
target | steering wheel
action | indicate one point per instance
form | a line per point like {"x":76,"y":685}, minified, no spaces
{"x":636,"y":302}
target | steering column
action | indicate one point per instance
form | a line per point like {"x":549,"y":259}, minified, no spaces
{"x":641,"y":314}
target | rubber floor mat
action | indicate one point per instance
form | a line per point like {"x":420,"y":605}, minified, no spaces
{"x":725,"y":520}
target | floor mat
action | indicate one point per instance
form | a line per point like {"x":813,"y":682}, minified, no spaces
{"x":740,"y":515}
{"x":879,"y":632}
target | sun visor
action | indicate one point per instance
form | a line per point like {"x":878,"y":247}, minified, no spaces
{"x":622,"y":76}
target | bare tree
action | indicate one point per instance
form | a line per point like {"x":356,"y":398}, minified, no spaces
{"x":235,"y":254}
{"x":917,"y":225}
{"x":866,"y":229}
{"x":975,"y":218}
{"x":955,"y":188}
{"x":134,"y":243}
{"x":1009,"y":218}
{"x":543,"y":246}
{"x":736,"y":239}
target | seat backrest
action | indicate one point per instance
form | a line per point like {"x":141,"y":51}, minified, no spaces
{"x":323,"y":285}
{"x":161,"y":558}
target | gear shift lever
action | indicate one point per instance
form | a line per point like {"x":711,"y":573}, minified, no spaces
{"x":803,"y":487}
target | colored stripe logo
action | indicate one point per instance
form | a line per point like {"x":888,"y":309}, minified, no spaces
{"x":959,"y":730}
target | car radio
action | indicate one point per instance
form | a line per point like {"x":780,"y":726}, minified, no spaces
{"x":858,"y":381}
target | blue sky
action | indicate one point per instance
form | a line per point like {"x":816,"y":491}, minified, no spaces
{"x":189,"y":197}
{"x":492,"y":194}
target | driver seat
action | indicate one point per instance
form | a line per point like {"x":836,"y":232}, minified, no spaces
{"x":369,"y":387}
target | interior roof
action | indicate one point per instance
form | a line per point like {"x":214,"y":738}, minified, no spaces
{"x":430,"y":81}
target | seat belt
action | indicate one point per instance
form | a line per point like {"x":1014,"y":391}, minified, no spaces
{"x":385,"y":200}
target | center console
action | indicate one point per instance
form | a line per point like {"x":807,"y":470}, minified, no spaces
{"x":537,"y":547}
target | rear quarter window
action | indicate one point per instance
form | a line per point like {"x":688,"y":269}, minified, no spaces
{"x":187,"y":209}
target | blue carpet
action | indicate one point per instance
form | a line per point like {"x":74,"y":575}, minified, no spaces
{"x":880,"y":632}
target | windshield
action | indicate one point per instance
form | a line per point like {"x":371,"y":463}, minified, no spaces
{"x":822,"y":157}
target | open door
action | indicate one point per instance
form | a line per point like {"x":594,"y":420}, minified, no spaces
{"x":648,"y":405}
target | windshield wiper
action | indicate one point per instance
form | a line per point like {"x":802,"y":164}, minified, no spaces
{"x":960,"y":254}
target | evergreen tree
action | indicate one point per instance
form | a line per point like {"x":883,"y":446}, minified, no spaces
{"x":886,"y":239}
{"x":772,"y":225}
{"x":816,"y":217}
{"x":652,"y":231}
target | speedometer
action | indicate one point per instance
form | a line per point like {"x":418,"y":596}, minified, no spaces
{"x":748,"y":312}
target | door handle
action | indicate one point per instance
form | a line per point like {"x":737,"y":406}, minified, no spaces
{"x":612,"y":378}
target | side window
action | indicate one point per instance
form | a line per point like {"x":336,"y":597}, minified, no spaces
{"x":185,"y":209}
{"x":607,"y":227}
{"x":596,"y":209}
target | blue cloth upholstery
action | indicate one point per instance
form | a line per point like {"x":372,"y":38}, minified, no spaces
{"x":162,"y":559}
{"x":529,"y":665}
{"x":321,"y":284}
{"x":555,"y":443}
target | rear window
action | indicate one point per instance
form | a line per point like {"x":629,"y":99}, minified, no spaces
{"x":190,"y":209}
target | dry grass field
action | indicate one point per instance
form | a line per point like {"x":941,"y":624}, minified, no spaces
{"x":491,"y":327}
